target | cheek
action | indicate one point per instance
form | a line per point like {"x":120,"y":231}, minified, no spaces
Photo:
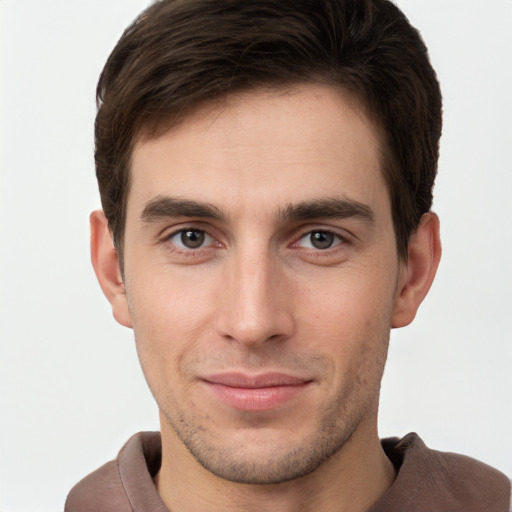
{"x":167,"y":322}
{"x":349,"y":302}
{"x":169,"y":303}
{"x":348,"y":320}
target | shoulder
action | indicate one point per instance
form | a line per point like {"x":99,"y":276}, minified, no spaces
{"x":99,"y":491}
{"x":120,"y":484}
{"x":443,"y":481}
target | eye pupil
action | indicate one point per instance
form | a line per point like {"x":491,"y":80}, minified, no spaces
{"x":321,"y":239}
{"x":192,"y":239}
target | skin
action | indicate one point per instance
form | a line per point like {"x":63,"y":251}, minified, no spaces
{"x":257,"y":292}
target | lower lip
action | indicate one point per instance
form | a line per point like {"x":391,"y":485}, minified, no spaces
{"x":256,"y":399}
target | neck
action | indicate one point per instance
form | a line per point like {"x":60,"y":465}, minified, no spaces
{"x":352,"y":480}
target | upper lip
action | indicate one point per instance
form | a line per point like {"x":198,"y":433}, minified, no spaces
{"x":263,"y":380}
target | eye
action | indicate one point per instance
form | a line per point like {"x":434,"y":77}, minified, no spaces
{"x":320,"y":240}
{"x":191,"y":239}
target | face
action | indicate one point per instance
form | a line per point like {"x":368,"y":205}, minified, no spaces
{"x":261,"y":278}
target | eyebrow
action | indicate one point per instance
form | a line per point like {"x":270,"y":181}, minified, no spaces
{"x":162,"y":207}
{"x":328,"y":208}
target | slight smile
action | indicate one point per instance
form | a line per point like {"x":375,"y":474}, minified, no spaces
{"x":256,"y":392}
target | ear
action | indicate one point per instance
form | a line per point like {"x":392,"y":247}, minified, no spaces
{"x":106,"y":265}
{"x":417,"y":273}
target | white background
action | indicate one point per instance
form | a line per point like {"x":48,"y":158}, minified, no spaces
{"x":71,"y":391}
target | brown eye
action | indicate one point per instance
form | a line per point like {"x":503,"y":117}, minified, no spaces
{"x":189,"y":239}
{"x":192,"y":238}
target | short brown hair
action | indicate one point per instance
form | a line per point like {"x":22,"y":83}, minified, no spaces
{"x":180,"y":53}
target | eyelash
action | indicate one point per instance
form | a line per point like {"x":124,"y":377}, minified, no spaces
{"x":200,"y":251}
{"x":185,"y":251}
{"x":341,"y":240}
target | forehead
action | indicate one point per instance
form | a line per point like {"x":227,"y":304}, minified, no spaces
{"x":274,"y":147}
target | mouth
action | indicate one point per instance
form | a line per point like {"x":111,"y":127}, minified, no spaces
{"x":255,"y":392}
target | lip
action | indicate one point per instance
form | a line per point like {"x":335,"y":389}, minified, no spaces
{"x":254,"y":393}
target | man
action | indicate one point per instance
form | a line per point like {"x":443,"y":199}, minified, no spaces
{"x":266,"y":173}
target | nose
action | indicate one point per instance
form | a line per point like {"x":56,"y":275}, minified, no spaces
{"x":255,"y":301}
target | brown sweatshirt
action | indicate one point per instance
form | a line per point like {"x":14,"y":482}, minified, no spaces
{"x":427,"y":481}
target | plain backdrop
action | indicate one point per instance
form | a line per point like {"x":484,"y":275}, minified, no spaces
{"x":71,"y":391}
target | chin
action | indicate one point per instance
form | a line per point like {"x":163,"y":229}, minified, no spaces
{"x":264,"y":456}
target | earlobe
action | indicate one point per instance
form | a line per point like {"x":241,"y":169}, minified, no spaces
{"x":418,"y":272}
{"x":106,"y":266}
